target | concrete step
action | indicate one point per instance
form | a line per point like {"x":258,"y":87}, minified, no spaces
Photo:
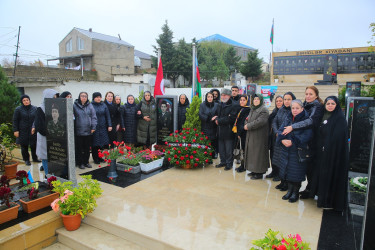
{"x":89,"y":237}
{"x":57,"y":246}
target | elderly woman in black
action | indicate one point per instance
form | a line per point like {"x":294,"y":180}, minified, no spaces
{"x":130,"y":121}
{"x":295,"y":151}
{"x":23,"y":119}
{"x":256,"y":148}
{"x":281,"y":116}
{"x":330,"y":184}
{"x":271,"y":137}
{"x":207,"y":111}
{"x":239,"y":123}
{"x":183,"y":104}
{"x":115,"y":113}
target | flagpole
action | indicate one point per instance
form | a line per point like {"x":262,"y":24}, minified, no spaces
{"x":273,"y":38}
{"x":193,"y":79}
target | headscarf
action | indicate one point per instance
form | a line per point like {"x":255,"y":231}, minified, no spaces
{"x":144,"y":96}
{"x":187,"y":102}
{"x":293,"y":98}
{"x":260,"y":104}
{"x":47,"y":93}
{"x":209,"y":104}
{"x":96,"y":94}
{"x":337,"y":111}
{"x":23,"y":97}
{"x":130,"y":105}
{"x":65,"y":94}
{"x":79,"y":99}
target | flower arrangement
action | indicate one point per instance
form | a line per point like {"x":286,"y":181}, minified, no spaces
{"x":359,"y":184}
{"x":6,"y":195}
{"x":111,"y":154}
{"x":147,"y":156}
{"x":272,"y":242}
{"x":188,"y":148}
{"x":79,"y":200}
{"x":49,"y":182}
{"x":4,"y":181}
{"x":22,"y":175}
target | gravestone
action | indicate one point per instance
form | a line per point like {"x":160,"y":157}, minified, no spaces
{"x":360,"y":123}
{"x":60,"y":138}
{"x":353,"y":89}
{"x":167,"y":108}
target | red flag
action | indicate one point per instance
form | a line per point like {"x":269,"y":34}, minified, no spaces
{"x":159,"y":82}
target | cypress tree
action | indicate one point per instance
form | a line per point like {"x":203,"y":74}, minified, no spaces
{"x":192,"y":114}
{"x":9,"y":99}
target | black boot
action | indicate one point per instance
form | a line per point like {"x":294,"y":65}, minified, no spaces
{"x":284,"y":187}
{"x":240,"y":169}
{"x":295,"y":194}
{"x":281,"y":184}
{"x":290,"y":191}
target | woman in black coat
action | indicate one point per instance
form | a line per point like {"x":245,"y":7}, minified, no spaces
{"x":183,"y":104}
{"x":271,"y":136}
{"x":100,"y":138}
{"x":314,"y":107}
{"x":115,"y":114}
{"x":208,"y":110}
{"x":120,"y":131}
{"x":293,"y":164}
{"x":130,"y":121}
{"x":240,"y":123}
{"x":281,"y":116}
{"x":330,"y":184}
{"x":23,"y":119}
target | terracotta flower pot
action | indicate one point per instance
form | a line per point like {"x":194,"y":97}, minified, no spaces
{"x":11,"y":169}
{"x":10,"y":213}
{"x":39,"y":203}
{"x":71,"y":222}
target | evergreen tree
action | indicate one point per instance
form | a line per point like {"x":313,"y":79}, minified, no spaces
{"x":9,"y":99}
{"x":231,"y":60}
{"x":168,"y":52}
{"x":183,"y":59}
{"x":192,"y":114}
{"x":253,"y":66}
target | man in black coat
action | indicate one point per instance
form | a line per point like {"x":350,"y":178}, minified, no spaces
{"x":225,"y":119}
{"x":23,"y":119}
{"x":235,"y":94}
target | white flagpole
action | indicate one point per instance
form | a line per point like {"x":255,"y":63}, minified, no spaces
{"x":193,"y":79}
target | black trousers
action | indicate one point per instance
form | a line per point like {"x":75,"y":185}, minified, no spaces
{"x":25,"y":152}
{"x":226,"y":151}
{"x":83,"y":144}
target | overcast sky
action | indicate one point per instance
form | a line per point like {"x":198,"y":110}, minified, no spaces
{"x":299,"y":24}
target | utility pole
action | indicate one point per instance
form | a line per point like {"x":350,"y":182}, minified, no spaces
{"x":15,"y":60}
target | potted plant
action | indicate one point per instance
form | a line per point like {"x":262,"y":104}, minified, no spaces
{"x":188,"y":148}
{"x":75,"y":203}
{"x":8,"y":210}
{"x":4,"y":181}
{"x":274,"y":242}
{"x":7,"y":144}
{"x":22,"y":175}
{"x":111,"y":155}
{"x":36,"y":200}
{"x":150,"y":160}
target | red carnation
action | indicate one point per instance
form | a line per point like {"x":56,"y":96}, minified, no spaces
{"x":184,"y":137}
{"x":180,"y":145}
{"x":182,"y":158}
{"x":194,"y":152}
{"x":166,"y":143}
{"x":189,"y":145}
{"x":195,"y":164}
{"x":201,"y":138}
{"x":202,"y":133}
{"x":169,"y":159}
{"x":205,"y":152}
{"x":180,"y":133}
{"x":187,"y":132}
{"x":187,"y":161}
{"x":206,"y":160}
{"x":163,"y":150}
{"x":174,"y":148}
{"x":170,"y":134}
{"x":195,"y":129}
{"x":196,"y":159}
{"x":196,"y":135}
{"x":210,"y":153}
{"x":186,"y":156}
{"x":191,"y":157}
{"x":199,"y":146}
{"x":169,"y":146}
{"x":206,"y":137}
{"x":186,"y":148}
{"x":176,"y":131}
{"x":169,"y":152}
{"x":175,"y":156}
{"x":179,"y":152}
{"x":193,"y":140}
{"x":183,"y":128}
{"x":177,"y":162}
{"x":206,"y":147}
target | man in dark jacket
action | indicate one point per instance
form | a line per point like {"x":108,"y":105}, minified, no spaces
{"x":23,"y":119}
{"x":226,"y":116}
{"x":235,"y":94}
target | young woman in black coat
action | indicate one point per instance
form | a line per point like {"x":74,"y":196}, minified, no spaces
{"x":293,"y":167}
{"x":207,"y":110}
{"x":114,"y":111}
{"x":330,"y":184}
{"x":23,"y":119}
{"x":271,"y":137}
{"x":183,"y":104}
{"x":314,"y":107}
{"x":120,"y":131}
{"x":240,"y":123}
{"x":130,"y":121}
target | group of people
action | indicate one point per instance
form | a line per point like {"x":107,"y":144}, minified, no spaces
{"x":298,"y":139}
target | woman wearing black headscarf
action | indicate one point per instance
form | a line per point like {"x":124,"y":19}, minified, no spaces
{"x":240,"y":122}
{"x":130,"y":121}
{"x":183,"y":104}
{"x":331,"y":182}
{"x":23,"y":119}
{"x":115,"y":113}
{"x":256,"y":148}
{"x":207,"y":110}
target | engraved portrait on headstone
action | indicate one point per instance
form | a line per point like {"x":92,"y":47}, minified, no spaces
{"x":167,"y":116}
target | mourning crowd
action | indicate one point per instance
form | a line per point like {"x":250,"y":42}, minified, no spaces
{"x":297,"y":139}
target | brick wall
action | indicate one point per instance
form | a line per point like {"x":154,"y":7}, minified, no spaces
{"x":45,"y":73}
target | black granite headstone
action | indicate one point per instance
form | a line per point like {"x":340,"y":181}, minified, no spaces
{"x":361,"y":120}
{"x":352,"y":89}
{"x":167,"y":107}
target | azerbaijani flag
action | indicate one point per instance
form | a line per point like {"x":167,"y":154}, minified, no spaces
{"x":271,"y":37}
{"x":197,"y":89}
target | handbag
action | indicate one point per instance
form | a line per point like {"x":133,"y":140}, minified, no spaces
{"x":238,"y":152}
{"x":304,"y":154}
